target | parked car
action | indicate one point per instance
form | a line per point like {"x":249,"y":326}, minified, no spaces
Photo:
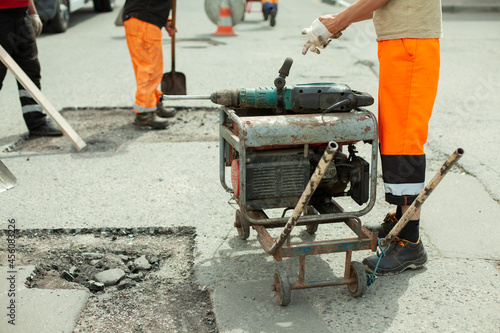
{"x":56,"y":13}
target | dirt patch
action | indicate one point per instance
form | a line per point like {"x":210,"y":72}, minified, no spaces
{"x":110,"y":129}
{"x":155,"y":294}
{"x":154,"y":290}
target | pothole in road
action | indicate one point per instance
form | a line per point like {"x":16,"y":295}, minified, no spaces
{"x":153,"y":291}
{"x":110,"y":129}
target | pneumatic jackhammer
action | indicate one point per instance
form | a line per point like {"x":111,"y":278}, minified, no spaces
{"x":300,"y":98}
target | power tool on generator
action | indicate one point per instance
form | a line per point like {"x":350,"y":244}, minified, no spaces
{"x":300,"y":98}
{"x":274,"y":173}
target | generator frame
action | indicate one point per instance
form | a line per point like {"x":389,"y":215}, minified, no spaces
{"x":258,"y":129}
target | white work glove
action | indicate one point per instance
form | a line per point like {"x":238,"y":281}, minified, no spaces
{"x":37,"y":24}
{"x":318,"y":37}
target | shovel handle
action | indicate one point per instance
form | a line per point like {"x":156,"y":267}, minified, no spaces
{"x":174,"y":5}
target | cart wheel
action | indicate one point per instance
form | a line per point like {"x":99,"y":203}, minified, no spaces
{"x":282,"y":287}
{"x":359,"y":287}
{"x":242,"y":226}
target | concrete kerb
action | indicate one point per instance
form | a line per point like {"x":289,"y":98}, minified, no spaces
{"x":38,"y":310}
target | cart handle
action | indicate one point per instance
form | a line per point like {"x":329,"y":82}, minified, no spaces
{"x":306,"y":195}
{"x":424,"y":194}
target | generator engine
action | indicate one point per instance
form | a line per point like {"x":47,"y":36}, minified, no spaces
{"x":277,"y":177}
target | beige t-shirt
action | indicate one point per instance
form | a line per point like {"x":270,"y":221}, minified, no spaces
{"x":408,"y":19}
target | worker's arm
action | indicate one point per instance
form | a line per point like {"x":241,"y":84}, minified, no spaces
{"x":35,"y":19}
{"x":32,"y":8}
{"x":359,"y":11}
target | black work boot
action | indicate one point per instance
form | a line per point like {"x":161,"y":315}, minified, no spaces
{"x":149,"y":119}
{"x":163,"y":112}
{"x":46,"y":129}
{"x":400,"y":256}
{"x":273,"y":17}
{"x":383,"y":229}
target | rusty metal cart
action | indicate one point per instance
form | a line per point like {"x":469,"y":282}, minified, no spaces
{"x":272,"y":158}
{"x":297,"y":148}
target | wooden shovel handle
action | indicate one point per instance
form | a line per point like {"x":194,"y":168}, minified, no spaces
{"x":174,"y":5}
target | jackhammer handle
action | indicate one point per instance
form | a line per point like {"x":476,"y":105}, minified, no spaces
{"x":423,"y":195}
{"x":280,"y":81}
{"x":285,"y":69}
{"x":362,"y":98}
{"x":306,"y":196}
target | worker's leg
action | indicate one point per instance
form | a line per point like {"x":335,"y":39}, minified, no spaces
{"x":409,"y":73}
{"x":145,"y":46}
{"x":265,"y":9}
{"x":270,"y":9}
{"x":273,"y":11}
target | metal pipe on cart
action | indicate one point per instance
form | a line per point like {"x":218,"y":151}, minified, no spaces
{"x":423,"y":196}
{"x":306,"y":195}
{"x":184,"y":97}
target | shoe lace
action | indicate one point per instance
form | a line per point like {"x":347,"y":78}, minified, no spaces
{"x":396,"y":245}
{"x":389,"y":222}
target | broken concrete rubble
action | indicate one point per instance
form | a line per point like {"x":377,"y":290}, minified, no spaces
{"x":142,"y":264}
{"x":110,"y":277}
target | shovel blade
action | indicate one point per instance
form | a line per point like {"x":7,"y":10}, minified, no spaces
{"x":7,"y":179}
{"x":173,"y":83}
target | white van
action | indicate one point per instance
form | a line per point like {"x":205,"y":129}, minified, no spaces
{"x":55,"y":13}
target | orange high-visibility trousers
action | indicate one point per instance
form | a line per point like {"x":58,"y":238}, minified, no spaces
{"x":408,"y":81}
{"x":145,"y":46}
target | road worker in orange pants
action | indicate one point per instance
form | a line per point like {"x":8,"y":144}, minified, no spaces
{"x":409,"y":55}
{"x":143,"y":21}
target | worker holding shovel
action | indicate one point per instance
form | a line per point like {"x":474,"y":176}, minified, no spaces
{"x":408,"y":35}
{"x":143,"y":21}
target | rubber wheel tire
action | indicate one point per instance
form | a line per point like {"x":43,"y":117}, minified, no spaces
{"x":242,"y":226}
{"x":358,"y":288}
{"x":282,"y":288}
{"x":60,"y":21}
{"x":101,"y":6}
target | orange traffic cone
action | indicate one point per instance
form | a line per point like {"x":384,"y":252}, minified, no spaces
{"x":225,"y":22}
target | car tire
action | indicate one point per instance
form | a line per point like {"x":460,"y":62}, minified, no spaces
{"x":102,"y":6}
{"x":61,"y":20}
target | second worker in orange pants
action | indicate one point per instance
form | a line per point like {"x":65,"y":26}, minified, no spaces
{"x":143,"y":21}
